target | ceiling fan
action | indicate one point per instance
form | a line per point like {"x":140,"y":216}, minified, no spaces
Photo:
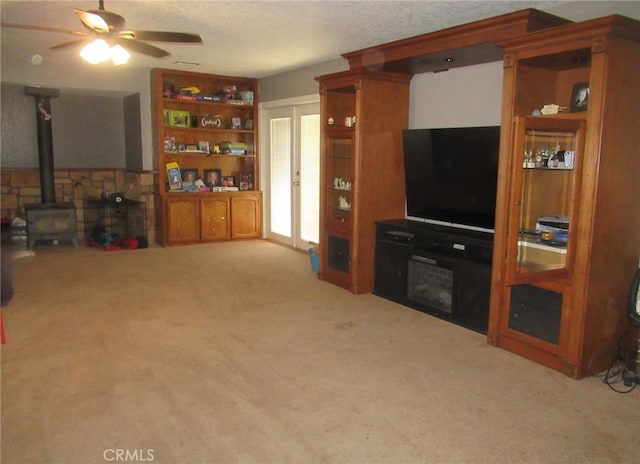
{"x":105,"y":28}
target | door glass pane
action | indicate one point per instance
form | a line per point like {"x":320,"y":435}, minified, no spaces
{"x":280,"y":136}
{"x":310,"y":178}
{"x":547,"y":186}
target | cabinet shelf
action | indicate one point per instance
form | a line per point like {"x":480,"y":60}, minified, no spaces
{"x":208,"y":129}
{"x":171,"y":101}
{"x":547,"y":168}
{"x":336,"y":129}
{"x":205,"y":155}
{"x":538,"y":256}
{"x":560,"y":116}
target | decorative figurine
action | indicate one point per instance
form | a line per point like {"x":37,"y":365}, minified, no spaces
{"x":552,"y":109}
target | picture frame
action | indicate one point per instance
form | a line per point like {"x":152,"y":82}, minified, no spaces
{"x":236,"y":123}
{"x":579,"y":97}
{"x":213,"y":177}
{"x":248,"y":124}
{"x":180,"y":118}
{"x":245,"y":181}
{"x":203,"y":146}
{"x":229,"y":181}
{"x":189,"y":176}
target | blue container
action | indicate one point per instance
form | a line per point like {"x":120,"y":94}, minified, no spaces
{"x":315,"y":260}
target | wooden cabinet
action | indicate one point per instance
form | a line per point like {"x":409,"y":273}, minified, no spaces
{"x":246,"y":219}
{"x":568,"y":225}
{"x":182,"y":220}
{"x":206,"y":124}
{"x":363,"y":115}
{"x":195,"y":218}
{"x":214,"y":218}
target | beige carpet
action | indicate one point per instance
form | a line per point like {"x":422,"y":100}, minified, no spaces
{"x":236,"y":353}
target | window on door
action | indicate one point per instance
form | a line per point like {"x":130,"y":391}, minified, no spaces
{"x":280,"y":182}
{"x":294,"y":174}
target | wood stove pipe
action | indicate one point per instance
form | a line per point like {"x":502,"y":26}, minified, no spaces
{"x":45,"y":140}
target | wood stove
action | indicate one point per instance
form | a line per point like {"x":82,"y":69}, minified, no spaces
{"x":48,"y":220}
{"x":51,"y":221}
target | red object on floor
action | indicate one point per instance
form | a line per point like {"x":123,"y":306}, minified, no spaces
{"x":2,"y":337}
{"x":118,"y":244}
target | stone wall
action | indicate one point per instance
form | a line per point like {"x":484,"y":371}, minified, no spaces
{"x":20,"y":186}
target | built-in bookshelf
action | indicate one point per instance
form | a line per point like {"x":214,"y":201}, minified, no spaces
{"x":205,"y":142}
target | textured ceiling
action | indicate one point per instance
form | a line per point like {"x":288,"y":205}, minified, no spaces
{"x":244,"y":37}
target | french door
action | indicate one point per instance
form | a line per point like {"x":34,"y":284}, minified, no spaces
{"x":293,"y":183}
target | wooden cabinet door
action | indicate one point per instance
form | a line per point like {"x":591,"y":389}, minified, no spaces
{"x":214,"y":219}
{"x":246,"y":216}
{"x":182,"y":220}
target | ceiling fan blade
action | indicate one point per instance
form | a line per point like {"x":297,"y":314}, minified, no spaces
{"x":141,"y":47}
{"x":43,"y":28}
{"x":70,"y":43}
{"x":100,"y":20}
{"x":162,"y":36}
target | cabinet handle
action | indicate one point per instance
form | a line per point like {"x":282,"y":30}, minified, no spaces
{"x":296,"y":183}
{"x":518,"y":202}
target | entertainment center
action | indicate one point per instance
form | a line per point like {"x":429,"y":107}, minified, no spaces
{"x":440,"y":270}
{"x":532,"y":240}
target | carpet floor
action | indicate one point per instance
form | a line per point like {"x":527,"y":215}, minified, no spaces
{"x":236,"y":353}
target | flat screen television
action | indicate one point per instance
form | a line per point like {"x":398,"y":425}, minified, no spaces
{"x":451,"y":175}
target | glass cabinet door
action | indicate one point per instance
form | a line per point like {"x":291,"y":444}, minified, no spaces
{"x":340,"y":190}
{"x":546,"y":195}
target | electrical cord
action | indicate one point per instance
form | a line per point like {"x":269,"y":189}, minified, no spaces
{"x":619,"y":371}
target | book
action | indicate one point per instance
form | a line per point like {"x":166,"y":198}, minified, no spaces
{"x":174,"y":176}
{"x":186,"y":97}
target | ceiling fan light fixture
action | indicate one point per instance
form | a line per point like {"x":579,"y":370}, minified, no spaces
{"x":119,"y":55}
{"x":104,"y":30}
{"x":96,"y":52}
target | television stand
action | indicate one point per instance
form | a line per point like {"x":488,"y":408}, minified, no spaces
{"x":439,"y":270}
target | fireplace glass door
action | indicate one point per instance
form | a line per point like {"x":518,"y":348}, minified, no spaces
{"x":430,"y":282}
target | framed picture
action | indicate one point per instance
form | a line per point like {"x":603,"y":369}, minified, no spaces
{"x":248,"y":124}
{"x":245,"y":181}
{"x":580,"y":97}
{"x":203,"y":146}
{"x":189,"y":176}
{"x":229,"y":181}
{"x":236,"y":123}
{"x":180,"y":118}
{"x":213,"y":177}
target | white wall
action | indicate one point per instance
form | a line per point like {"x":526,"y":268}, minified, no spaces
{"x":461,"y":97}
{"x":299,"y":82}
